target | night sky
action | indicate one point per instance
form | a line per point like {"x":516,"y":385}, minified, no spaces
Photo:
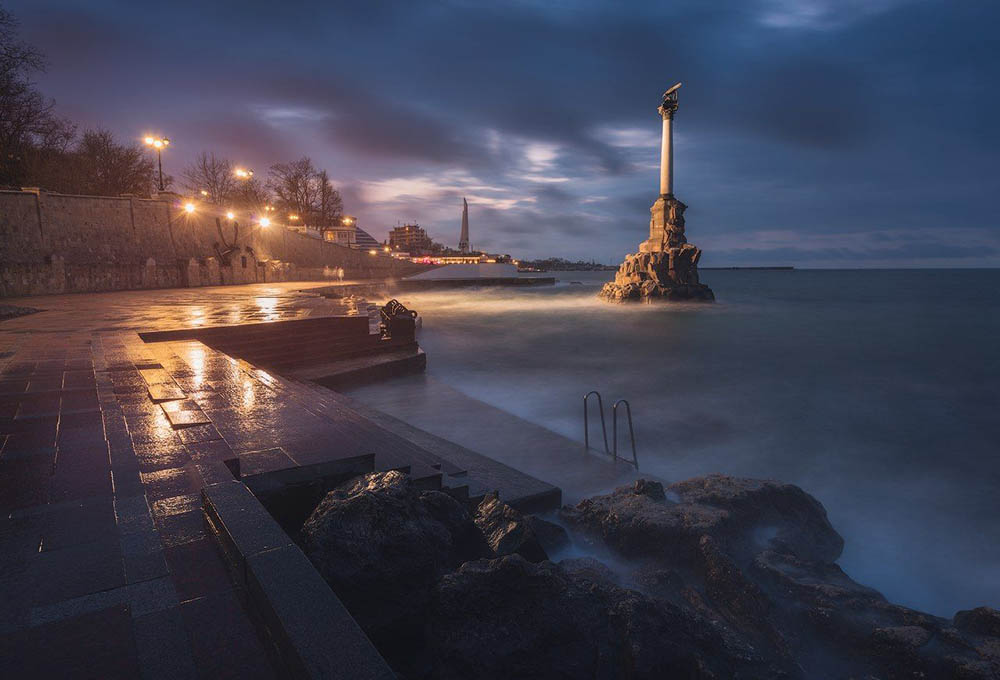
{"x":816,"y":133}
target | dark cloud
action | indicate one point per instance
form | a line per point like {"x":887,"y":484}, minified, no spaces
{"x":840,"y":122}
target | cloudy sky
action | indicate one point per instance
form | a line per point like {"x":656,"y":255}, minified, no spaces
{"x":843,"y":133}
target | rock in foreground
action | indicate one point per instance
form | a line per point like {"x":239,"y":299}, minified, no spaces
{"x":714,"y":577}
{"x":758,"y":558}
{"x":382,"y":545}
{"x":509,"y":618}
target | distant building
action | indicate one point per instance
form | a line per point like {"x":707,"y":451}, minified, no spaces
{"x":411,"y":238}
{"x":345,"y":233}
{"x":364,"y":240}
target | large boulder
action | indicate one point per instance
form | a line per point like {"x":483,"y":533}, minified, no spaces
{"x":508,"y":531}
{"x":381,"y":544}
{"x":509,"y":618}
{"x":744,"y":515}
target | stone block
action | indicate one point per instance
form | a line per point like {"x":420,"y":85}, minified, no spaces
{"x":305,"y":617}
{"x":241,"y":524}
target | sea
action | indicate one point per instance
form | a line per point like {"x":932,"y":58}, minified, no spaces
{"x":877,"y":391}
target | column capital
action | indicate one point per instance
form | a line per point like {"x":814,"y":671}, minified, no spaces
{"x":667,"y":109}
{"x":669,"y":104}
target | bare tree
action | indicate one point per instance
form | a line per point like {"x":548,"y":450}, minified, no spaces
{"x":213,"y":175}
{"x":251,"y":194}
{"x":107,"y":168}
{"x":331,"y":205}
{"x":295,"y":188}
{"x":27,"y":119}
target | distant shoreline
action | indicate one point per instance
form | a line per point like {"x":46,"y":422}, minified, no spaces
{"x":780,"y":269}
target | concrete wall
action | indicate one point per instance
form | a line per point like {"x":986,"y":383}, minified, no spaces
{"x":57,"y":243}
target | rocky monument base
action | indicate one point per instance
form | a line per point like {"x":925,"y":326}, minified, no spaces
{"x":666,"y":275}
{"x":666,"y":268}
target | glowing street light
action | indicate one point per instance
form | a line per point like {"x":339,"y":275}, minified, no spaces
{"x":230,"y":214}
{"x":293,"y":217}
{"x":346,"y":220}
{"x":204,"y":193}
{"x":373,"y":252}
{"x":243,"y":173}
{"x":264,"y":222}
{"x":158,"y":143}
{"x":189,"y":207}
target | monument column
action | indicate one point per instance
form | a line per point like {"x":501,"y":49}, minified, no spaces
{"x":667,"y":109}
{"x":666,"y":266}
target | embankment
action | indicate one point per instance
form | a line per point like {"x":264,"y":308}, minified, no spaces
{"x":58,"y":243}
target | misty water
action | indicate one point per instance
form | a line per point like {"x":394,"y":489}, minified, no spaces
{"x":876,"y":391}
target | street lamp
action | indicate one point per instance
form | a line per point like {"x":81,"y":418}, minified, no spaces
{"x":264,"y":222}
{"x":158,"y":143}
{"x":230,"y":215}
{"x":243,"y":173}
{"x":189,"y":207}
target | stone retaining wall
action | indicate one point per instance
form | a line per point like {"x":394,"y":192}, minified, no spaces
{"x":58,"y":243}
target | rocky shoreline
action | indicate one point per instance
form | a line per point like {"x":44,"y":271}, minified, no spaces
{"x":712,"y":577}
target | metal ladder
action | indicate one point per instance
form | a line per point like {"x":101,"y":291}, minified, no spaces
{"x":613,"y":452}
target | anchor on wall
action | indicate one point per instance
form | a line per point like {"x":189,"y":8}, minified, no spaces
{"x":224,"y":254}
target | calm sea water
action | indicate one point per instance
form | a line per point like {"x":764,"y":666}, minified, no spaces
{"x":876,"y":391}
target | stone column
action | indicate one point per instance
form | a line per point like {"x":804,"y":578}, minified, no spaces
{"x":667,"y":155}
{"x":667,"y":109}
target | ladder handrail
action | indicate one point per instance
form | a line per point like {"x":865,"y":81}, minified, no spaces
{"x":586,"y":422}
{"x":631,"y":430}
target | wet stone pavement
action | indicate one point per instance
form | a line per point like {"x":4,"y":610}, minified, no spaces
{"x":106,"y":570}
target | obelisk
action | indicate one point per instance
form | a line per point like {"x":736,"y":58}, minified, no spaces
{"x":463,"y":241}
{"x":666,"y":266}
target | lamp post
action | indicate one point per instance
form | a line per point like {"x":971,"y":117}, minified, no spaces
{"x":158,"y":143}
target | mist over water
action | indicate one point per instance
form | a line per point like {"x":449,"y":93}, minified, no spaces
{"x":876,"y":391}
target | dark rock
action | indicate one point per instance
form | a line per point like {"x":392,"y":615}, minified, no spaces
{"x":645,"y":487}
{"x":979,"y":621}
{"x":509,"y":618}
{"x":589,"y":569}
{"x":745,"y":515}
{"x":757,"y":557}
{"x":381,"y":545}
{"x":552,"y":536}
{"x":507,"y":531}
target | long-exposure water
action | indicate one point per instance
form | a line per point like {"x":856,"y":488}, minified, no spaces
{"x":877,"y":391}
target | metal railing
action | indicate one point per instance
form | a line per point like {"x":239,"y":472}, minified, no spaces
{"x":613,"y":452}
{"x":631,"y":431}
{"x":586,"y":423}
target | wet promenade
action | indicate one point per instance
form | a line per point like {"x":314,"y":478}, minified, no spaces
{"x":106,"y":570}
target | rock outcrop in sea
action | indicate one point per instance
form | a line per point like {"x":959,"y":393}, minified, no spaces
{"x":713,"y":577}
{"x":666,"y":266}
